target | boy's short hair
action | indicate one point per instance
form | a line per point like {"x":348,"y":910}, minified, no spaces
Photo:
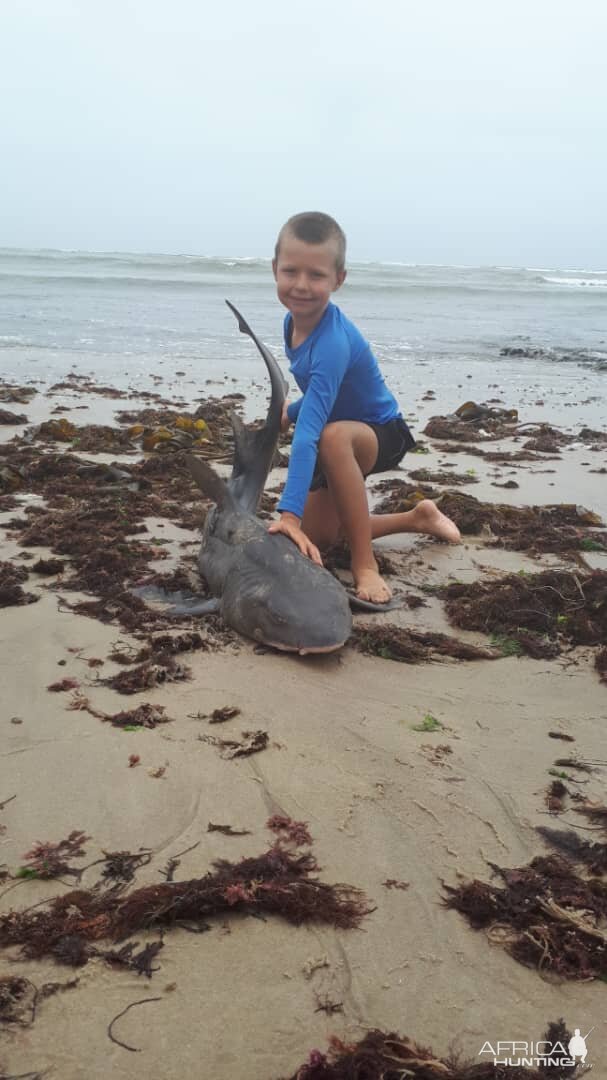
{"x":315,"y":228}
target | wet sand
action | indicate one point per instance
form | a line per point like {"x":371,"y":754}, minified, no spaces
{"x":383,"y":802}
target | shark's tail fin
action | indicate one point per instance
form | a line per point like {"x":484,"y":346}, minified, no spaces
{"x":254,"y":449}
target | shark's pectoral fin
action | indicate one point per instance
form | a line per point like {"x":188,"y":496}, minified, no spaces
{"x":208,"y":480}
{"x":195,"y":607}
{"x":357,"y":604}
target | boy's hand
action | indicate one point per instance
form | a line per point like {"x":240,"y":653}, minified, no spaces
{"x":285,"y":423}
{"x":290,"y":525}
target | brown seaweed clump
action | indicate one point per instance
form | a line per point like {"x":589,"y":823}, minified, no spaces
{"x":442,"y":476}
{"x":415,"y":646}
{"x":472,"y":422}
{"x":546,"y":916}
{"x":275,"y":883}
{"x":8,"y":417}
{"x":552,"y":528}
{"x":338,"y":558}
{"x":382,"y":1055}
{"x":48,"y":859}
{"x":11,"y":592}
{"x":592,"y":853}
{"x":148,"y":675}
{"x":538,"y":612}
{"x":22,"y":395}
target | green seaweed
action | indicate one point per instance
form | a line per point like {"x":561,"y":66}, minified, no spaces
{"x":429,"y":723}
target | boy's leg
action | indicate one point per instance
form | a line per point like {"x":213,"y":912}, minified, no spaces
{"x":347,"y":451}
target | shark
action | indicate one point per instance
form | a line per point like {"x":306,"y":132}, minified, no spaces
{"x":261,"y":584}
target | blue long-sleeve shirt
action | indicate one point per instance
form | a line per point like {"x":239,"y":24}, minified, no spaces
{"x":340,"y":380}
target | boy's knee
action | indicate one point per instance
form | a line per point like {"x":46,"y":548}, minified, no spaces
{"x":334,"y":437}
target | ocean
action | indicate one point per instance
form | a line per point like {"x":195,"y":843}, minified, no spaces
{"x":127,"y":319}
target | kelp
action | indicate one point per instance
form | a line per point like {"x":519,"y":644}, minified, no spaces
{"x":278,"y":882}
{"x":546,"y":916}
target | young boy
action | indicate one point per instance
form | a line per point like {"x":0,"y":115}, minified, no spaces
{"x":347,"y":424}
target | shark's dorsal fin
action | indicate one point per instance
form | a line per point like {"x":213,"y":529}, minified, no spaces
{"x":209,"y":482}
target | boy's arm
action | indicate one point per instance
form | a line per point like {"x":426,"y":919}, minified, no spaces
{"x":328,"y":371}
{"x":293,"y":409}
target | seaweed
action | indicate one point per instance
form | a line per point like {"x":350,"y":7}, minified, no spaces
{"x":48,"y":860}
{"x":19,"y":998}
{"x":289,"y":831}
{"x":546,"y":916}
{"x":227,"y":830}
{"x":592,"y":854}
{"x":147,"y":675}
{"x":275,"y":883}
{"x":437,"y":476}
{"x":62,"y":685}
{"x":555,"y":797}
{"x":7,"y":417}
{"x":556,"y":527}
{"x":111,"y":1035}
{"x":600,"y":663}
{"x":127,"y":957}
{"x":595,"y":812}
{"x":22,"y":395}
{"x":338,"y":558}
{"x":144,"y":715}
{"x":252,"y":742}
{"x":387,"y":1055}
{"x":541,"y":612}
{"x":48,"y":566}
{"x":227,"y":712}
{"x":11,"y":592}
{"x":473,"y":422}
{"x":393,"y":642}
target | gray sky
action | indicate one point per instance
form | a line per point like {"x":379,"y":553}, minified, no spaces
{"x":454,"y":131}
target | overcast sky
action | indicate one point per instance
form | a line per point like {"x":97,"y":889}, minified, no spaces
{"x":453,"y":131}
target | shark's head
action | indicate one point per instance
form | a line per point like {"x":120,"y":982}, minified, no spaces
{"x":281,"y":598}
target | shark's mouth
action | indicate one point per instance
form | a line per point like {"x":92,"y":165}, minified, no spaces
{"x":304,"y":650}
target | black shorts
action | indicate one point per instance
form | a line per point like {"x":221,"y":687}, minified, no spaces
{"x":394,"y":439}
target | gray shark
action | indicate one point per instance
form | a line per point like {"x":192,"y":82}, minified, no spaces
{"x":262,"y":585}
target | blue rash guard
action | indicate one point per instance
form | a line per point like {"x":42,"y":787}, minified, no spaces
{"x":340,"y":380}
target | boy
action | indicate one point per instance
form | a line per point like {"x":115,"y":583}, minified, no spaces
{"x":347,"y":424}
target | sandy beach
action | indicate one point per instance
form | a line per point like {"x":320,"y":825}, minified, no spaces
{"x":397,"y":805}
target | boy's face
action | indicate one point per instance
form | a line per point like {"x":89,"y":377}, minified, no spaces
{"x":306,"y":275}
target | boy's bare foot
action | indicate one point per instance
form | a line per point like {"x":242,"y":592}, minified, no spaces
{"x":371,"y":586}
{"x":430,"y":520}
